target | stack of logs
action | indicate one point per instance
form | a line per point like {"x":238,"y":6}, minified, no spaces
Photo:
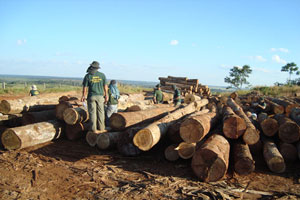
{"x":203,"y":130}
{"x":187,"y":86}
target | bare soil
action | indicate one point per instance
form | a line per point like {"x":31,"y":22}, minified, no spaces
{"x":65,"y":169}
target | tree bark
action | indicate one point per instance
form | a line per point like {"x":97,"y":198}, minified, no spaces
{"x":91,"y":137}
{"x":186,"y":150}
{"x":63,"y":105}
{"x":146,"y":138}
{"x":276,"y":108}
{"x":273,"y":157}
{"x":269,"y":126}
{"x":171,"y":154}
{"x":125,"y":144}
{"x":108,"y":140}
{"x":251,"y":135}
{"x":288,"y":151}
{"x":243,"y":161}
{"x":11,"y":120}
{"x":75,"y":115}
{"x":189,"y":98}
{"x":30,"y":135}
{"x":210,"y":162}
{"x":288,"y":131}
{"x":35,"y":117}
{"x":233,"y":125}
{"x":288,"y":106}
{"x":298,"y":148}
{"x":76,"y":131}
{"x":120,"y":121}
{"x":295,"y":115}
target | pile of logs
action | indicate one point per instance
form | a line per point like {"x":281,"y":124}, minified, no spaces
{"x":187,"y":86}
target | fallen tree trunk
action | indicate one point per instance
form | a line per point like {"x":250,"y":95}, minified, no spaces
{"x":146,"y":138}
{"x":288,"y":131}
{"x":233,"y":125}
{"x":186,"y":150}
{"x":91,"y":137}
{"x":295,"y":115}
{"x":125,"y":144}
{"x":269,"y":126}
{"x":11,"y":120}
{"x":251,"y":135}
{"x":273,"y":157}
{"x":276,"y":108}
{"x":171,"y":154}
{"x":189,"y":98}
{"x":288,"y":151}
{"x":243,"y":161}
{"x":76,"y":131}
{"x":288,"y":106}
{"x":298,"y":148}
{"x":30,"y":135}
{"x":122,"y":120}
{"x":75,"y":115}
{"x":210,"y":162}
{"x":35,"y":117}
{"x":195,"y":128}
{"x":108,"y":140}
{"x":63,"y":105}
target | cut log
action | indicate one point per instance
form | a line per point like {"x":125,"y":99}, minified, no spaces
{"x":189,"y":98}
{"x":30,"y":135}
{"x":288,"y":131}
{"x":273,"y":157}
{"x":91,"y":137}
{"x":186,"y":150}
{"x":233,"y":125}
{"x":178,"y":78}
{"x":276,"y":108}
{"x":251,"y":135}
{"x":171,"y":154}
{"x":11,"y":120}
{"x":210,"y":162}
{"x":288,"y":106}
{"x":63,"y":105}
{"x":122,"y":120}
{"x":298,"y":148}
{"x":295,"y":115}
{"x":146,"y":138}
{"x":108,"y":140}
{"x":134,"y":108}
{"x":35,"y":117}
{"x":288,"y":151}
{"x":269,"y":126}
{"x":257,"y":148}
{"x":195,"y":128}
{"x":243,"y":161}
{"x":67,"y":98}
{"x":75,"y":115}
{"x":125,"y":144}
{"x":76,"y":131}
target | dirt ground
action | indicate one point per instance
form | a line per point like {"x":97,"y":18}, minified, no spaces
{"x":65,"y":169}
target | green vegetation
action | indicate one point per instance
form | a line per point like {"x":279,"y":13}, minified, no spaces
{"x":124,"y":88}
{"x":290,"y":68}
{"x":238,"y":76}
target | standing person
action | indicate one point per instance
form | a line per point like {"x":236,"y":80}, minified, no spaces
{"x":113,"y":100}
{"x":176,"y":96}
{"x":158,"y":95}
{"x":34,"y":91}
{"x":95,"y":87}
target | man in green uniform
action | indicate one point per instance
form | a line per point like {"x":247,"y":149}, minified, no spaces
{"x":176,"y":96}
{"x":34,"y":91}
{"x":95,"y":87}
{"x":158,"y":95}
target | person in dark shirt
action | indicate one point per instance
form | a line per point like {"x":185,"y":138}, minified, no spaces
{"x":113,"y":97}
{"x":34,"y":91}
{"x":176,"y":96}
{"x":158,"y":95}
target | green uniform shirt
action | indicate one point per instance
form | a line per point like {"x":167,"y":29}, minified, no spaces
{"x":176,"y":94}
{"x":34,"y":92}
{"x":111,"y":99}
{"x":158,"y":95}
{"x":95,"y":83}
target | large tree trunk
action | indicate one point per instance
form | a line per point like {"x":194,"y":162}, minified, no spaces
{"x":186,"y":150}
{"x":91,"y":137}
{"x":76,"y":131}
{"x":195,"y":128}
{"x":233,"y":125}
{"x":108,"y":140}
{"x":288,"y":106}
{"x":35,"y":117}
{"x":11,"y":120}
{"x":189,"y":98}
{"x":251,"y":135}
{"x":146,"y":138}
{"x":288,"y":151}
{"x":171,"y":153}
{"x":75,"y":115}
{"x":269,"y":126}
{"x":210,"y":162}
{"x":63,"y":105}
{"x":276,"y":108}
{"x":298,"y":148}
{"x":273,"y":157}
{"x":288,"y":131}
{"x":122,"y":120}
{"x":125,"y":144}
{"x":295,"y":115}
{"x":30,"y":135}
{"x":243,"y":161}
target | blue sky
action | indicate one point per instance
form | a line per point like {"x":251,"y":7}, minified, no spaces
{"x":143,"y":40}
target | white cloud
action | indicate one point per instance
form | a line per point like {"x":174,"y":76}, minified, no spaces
{"x":258,"y":58}
{"x":21,"y":42}
{"x":277,"y":59}
{"x":284,"y":50}
{"x":261,"y":70}
{"x":174,"y":42}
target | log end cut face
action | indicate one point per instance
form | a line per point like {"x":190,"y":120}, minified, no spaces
{"x":10,"y":140}
{"x":251,"y":136}
{"x":191,"y":131}
{"x":186,"y":150}
{"x":143,"y":140}
{"x":270,"y":127}
{"x":70,"y":116}
{"x":289,"y":132}
{"x":234,"y":127}
{"x":276,"y":164}
{"x":244,"y":166}
{"x":103,"y":141}
{"x":91,"y":138}
{"x":117,"y":122}
{"x":5,"y":107}
{"x":171,"y":154}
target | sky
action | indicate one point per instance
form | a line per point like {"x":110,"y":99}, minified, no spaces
{"x":145,"y":39}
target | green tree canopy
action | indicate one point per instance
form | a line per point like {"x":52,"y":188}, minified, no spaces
{"x":238,"y":76}
{"x":290,"y":68}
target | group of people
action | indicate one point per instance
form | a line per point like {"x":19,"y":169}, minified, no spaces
{"x":158,"y":95}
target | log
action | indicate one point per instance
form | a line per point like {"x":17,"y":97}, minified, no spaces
{"x":30,"y":135}
{"x":35,"y":117}
{"x":243,"y":161}
{"x":167,"y":97}
{"x":186,"y":150}
{"x":11,"y":120}
{"x":67,"y":98}
{"x":108,"y":140}
{"x":121,"y":120}
{"x":273,"y":157}
{"x":210,"y":162}
{"x":268,"y":125}
{"x":75,"y":115}
{"x":288,"y":151}
{"x":277,"y":109}
{"x":257,"y":148}
{"x":295,"y":115}
{"x":178,"y":78}
{"x":91,"y":137}
{"x":63,"y":105}
{"x":298,"y":148}
{"x":288,"y":131}
{"x":125,"y":144}
{"x":251,"y":135}
{"x":146,"y":138}
{"x":134,"y":108}
{"x":171,"y":154}
{"x":233,"y":125}
{"x":288,"y":106}
{"x":76,"y":131}
{"x":189,"y":98}
{"x":195,"y":128}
